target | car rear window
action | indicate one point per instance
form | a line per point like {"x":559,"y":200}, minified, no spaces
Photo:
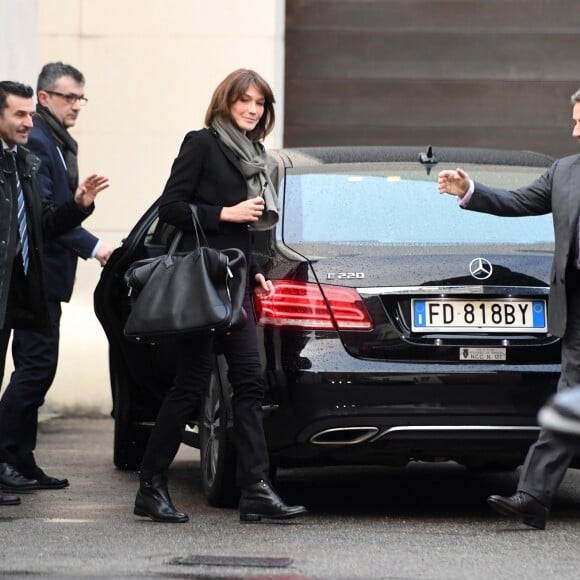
{"x":399,"y":204}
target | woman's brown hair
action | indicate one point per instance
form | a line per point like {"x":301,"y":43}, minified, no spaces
{"x":231,"y":89}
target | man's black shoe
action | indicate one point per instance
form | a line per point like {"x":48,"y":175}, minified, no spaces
{"x":522,"y":505}
{"x":259,"y":501}
{"x":44,"y":481}
{"x":9,"y":500}
{"x":153,"y":501}
{"x":12,"y":479}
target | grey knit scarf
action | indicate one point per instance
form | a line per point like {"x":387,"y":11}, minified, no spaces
{"x":65,"y":142}
{"x":252,"y":156}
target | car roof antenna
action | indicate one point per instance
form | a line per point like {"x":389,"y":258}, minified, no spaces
{"x":428,"y":159}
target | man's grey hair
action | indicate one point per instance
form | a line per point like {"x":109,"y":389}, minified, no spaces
{"x":52,"y":71}
{"x":575,"y":98}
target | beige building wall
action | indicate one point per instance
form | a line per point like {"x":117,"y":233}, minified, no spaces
{"x":18,"y":39}
{"x":150,"y":67}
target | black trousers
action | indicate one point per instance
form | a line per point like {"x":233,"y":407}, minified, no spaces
{"x":195,"y":363}
{"x":35,"y":357}
{"x":548,"y":459}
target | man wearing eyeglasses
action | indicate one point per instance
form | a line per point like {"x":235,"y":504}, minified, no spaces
{"x":60,"y":95}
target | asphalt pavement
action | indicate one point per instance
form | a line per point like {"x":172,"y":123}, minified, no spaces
{"x":425,"y":521}
{"x":89,"y":530}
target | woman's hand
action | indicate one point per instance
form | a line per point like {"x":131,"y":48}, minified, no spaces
{"x":246,"y":211}
{"x":264,"y":288}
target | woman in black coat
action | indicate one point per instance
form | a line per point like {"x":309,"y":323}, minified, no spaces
{"x":222,"y":170}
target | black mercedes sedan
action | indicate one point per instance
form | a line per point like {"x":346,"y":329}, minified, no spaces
{"x":403,"y":328}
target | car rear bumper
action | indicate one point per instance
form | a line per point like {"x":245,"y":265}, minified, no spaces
{"x":429,"y":414}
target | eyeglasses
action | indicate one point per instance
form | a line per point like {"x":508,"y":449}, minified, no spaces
{"x":70,"y":99}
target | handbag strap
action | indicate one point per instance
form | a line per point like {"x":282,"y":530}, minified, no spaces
{"x":199,"y":233}
{"x":200,"y":238}
{"x":174,"y":244}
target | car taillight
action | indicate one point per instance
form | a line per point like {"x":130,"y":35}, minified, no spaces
{"x":304,"y":305}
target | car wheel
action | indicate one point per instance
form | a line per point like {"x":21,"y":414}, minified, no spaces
{"x":217,"y":454}
{"x":130,"y":439}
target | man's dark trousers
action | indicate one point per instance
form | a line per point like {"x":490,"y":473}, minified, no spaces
{"x":35,"y":362}
{"x":548,"y":459}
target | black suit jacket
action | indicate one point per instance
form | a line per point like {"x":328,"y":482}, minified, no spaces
{"x":556,"y":191}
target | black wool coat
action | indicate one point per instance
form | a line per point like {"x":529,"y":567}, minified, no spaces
{"x":207,"y":173}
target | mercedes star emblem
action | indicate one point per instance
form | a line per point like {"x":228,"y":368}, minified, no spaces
{"x":480,"y":268}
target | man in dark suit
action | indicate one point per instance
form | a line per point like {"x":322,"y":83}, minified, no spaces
{"x":60,"y":95}
{"x":556,"y":191}
{"x":26,"y":218}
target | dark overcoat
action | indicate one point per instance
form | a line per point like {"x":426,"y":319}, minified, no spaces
{"x":44,"y":222}
{"x":61,"y":254}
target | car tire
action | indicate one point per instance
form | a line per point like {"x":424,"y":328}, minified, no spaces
{"x":217,"y":454}
{"x":130,"y":439}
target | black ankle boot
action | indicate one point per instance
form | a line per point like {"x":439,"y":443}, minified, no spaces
{"x":153,"y":501}
{"x":259,"y":501}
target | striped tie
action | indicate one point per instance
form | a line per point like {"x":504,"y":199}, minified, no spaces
{"x":22,"y":225}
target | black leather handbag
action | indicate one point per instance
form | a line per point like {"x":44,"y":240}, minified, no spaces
{"x":181,"y":293}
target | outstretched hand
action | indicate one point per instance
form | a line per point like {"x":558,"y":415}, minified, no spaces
{"x":454,"y":182}
{"x":89,"y":189}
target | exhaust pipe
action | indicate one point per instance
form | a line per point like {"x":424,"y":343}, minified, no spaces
{"x":344,"y":436}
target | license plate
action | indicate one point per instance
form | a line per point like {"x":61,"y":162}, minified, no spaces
{"x":450,"y":315}
{"x":491,"y":354}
